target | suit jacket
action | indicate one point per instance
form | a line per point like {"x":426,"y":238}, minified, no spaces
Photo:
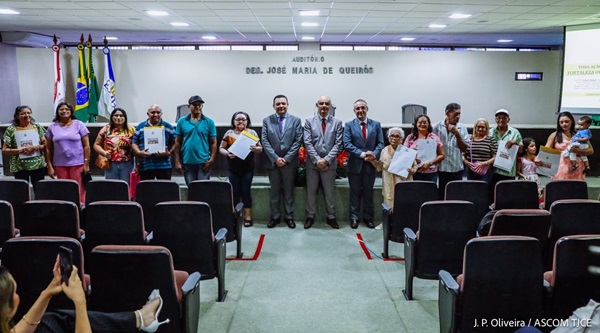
{"x":355,"y":144}
{"x":286,"y":145}
{"x":322,"y":145}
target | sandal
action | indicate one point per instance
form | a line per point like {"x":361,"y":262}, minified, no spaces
{"x":248,"y":223}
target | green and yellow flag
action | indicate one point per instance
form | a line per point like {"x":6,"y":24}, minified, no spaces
{"x":82,"y":97}
{"x":94,"y":90}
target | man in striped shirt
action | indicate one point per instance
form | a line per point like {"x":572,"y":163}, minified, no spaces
{"x":455,"y":138}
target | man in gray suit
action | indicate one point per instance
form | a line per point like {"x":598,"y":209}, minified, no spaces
{"x":363,"y":139}
{"x":281,"y":137}
{"x":323,"y":142}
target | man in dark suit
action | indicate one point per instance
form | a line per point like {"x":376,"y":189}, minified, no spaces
{"x":323,"y":142}
{"x":363,"y":139}
{"x":281,"y":137}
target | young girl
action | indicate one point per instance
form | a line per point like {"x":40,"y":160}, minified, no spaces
{"x":527,"y":166}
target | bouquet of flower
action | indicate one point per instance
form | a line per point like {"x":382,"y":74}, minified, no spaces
{"x":300,"y":180}
{"x":342,"y":161}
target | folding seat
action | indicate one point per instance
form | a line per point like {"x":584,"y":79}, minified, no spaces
{"x":522,"y":222}
{"x":7,"y":222}
{"x":106,"y":190}
{"x":113,"y":223}
{"x":226,"y":213}
{"x":17,"y":192}
{"x":124,"y":276}
{"x":475,"y":191}
{"x":564,"y":189}
{"x":30,"y":261}
{"x":571,"y":217}
{"x":51,"y":218}
{"x":58,"y":189}
{"x":408,"y":198}
{"x":151,"y":192}
{"x":516,"y":194}
{"x":186,"y":229}
{"x":571,"y":283}
{"x":500,"y":281}
{"x":444,"y":229}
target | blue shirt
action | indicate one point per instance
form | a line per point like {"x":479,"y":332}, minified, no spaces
{"x":154,"y":162}
{"x":195,"y":138}
{"x":582,"y":133}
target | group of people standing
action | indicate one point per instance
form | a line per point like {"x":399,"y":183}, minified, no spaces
{"x":63,"y":151}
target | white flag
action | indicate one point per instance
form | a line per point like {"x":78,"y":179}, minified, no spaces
{"x":107,"y":100}
{"x":59,"y":83}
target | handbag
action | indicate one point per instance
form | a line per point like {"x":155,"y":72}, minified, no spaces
{"x":134,"y":179}
{"x":102,"y":162}
{"x":86,"y":177}
{"x":481,"y":171}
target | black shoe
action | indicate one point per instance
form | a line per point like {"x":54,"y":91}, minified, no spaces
{"x":333,"y":223}
{"x":309,"y":223}
{"x":370,"y":224}
{"x":290,"y":223}
{"x":354,"y":223}
{"x":273,"y":223}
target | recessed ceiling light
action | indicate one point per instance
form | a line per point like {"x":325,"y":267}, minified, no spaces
{"x":459,"y":16}
{"x":180,"y":24}
{"x":310,"y":24}
{"x":209,"y":37}
{"x":504,"y":40}
{"x":437,"y":26}
{"x":407,"y":39}
{"x":308,"y":38}
{"x":8,"y":12}
{"x":309,"y":13}
{"x":157,"y":13}
{"x":111,"y":38}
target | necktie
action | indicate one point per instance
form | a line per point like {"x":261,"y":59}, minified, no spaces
{"x":364,"y":130}
{"x":280,"y":125}
{"x":323,"y":124}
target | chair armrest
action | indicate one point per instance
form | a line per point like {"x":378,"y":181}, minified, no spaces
{"x":409,"y":234}
{"x":449,"y":292}
{"x":221,"y":251}
{"x":386,"y":208}
{"x":191,"y":302}
{"x":238,"y":209}
{"x":410,"y":250}
{"x":221,"y":234}
{"x":387,"y":223}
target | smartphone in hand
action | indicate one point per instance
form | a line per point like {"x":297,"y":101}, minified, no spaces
{"x":66,"y":263}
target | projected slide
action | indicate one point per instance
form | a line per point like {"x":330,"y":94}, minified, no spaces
{"x":581,"y":71}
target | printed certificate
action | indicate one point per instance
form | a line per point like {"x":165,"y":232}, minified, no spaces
{"x":427,"y":150}
{"x":154,"y":139}
{"x":26,"y":138}
{"x":506,"y":158}
{"x":402,"y":161}
{"x":550,"y":159}
{"x":241,"y":145}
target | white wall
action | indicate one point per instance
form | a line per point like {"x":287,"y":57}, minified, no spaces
{"x":480,"y":81}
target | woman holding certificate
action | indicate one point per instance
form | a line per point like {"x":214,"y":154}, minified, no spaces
{"x":114,"y":143}
{"x":559,"y":140}
{"x":241,"y":170}
{"x":430,"y":149}
{"x":68,"y":151}
{"x":24,"y":142}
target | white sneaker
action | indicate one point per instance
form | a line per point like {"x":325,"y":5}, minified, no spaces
{"x":379,"y":226}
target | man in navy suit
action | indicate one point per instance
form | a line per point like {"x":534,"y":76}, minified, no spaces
{"x":363,"y":139}
{"x":281,"y":137}
{"x":323,"y":142}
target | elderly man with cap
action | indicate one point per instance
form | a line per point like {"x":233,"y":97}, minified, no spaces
{"x":512,"y":136}
{"x":195,"y":142}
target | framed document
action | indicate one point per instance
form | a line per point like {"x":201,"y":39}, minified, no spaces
{"x":26,"y":138}
{"x":154,"y":139}
{"x":241,"y":145}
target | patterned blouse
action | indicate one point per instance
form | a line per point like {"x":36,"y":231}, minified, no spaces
{"x":118,"y":143}
{"x":17,"y":164}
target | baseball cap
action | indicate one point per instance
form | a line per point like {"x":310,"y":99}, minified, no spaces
{"x":502,"y":111}
{"x":194,"y":99}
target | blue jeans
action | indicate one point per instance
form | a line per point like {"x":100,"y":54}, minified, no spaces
{"x":119,"y":170}
{"x":241,"y":185}
{"x":193,"y":172}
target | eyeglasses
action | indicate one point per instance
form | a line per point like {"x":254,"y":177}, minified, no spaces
{"x":395,"y":136}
